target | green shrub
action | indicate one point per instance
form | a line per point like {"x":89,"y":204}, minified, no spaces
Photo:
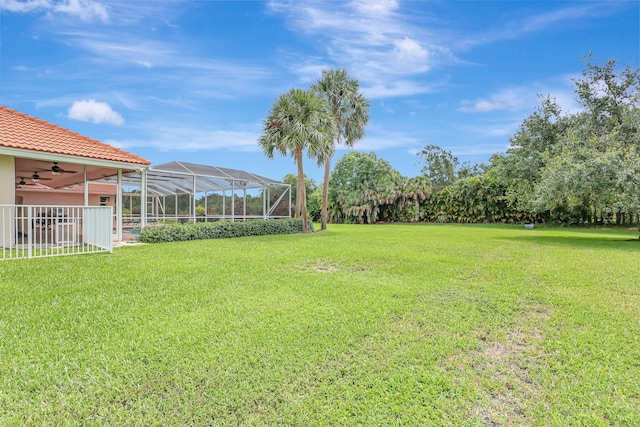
{"x":219,"y":230}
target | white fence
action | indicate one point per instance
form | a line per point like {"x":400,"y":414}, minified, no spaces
{"x":28,"y":231}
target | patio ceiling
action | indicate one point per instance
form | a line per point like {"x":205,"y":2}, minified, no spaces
{"x":72,"y":173}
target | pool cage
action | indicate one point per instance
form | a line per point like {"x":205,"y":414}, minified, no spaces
{"x":186,"y":192}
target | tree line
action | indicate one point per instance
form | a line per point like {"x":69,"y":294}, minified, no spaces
{"x":567,"y":168}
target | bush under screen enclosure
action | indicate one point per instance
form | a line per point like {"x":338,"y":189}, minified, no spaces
{"x":218,"y":230}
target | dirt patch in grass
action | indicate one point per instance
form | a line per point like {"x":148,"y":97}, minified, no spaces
{"x":321,"y":266}
{"x":325,"y":268}
{"x":504,"y":372}
{"x":328,"y":266}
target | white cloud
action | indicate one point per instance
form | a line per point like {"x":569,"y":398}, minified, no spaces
{"x":397,"y":88}
{"x":381,"y":46}
{"x":375,"y":7}
{"x":519,"y":99}
{"x":514,"y":98}
{"x":95,"y":112}
{"x":24,"y":6}
{"x":118,"y":49}
{"x":379,"y":139}
{"x":408,"y":50}
{"x":83,"y":9}
{"x":173,"y":136}
{"x":211,"y":77}
{"x":529,"y":22}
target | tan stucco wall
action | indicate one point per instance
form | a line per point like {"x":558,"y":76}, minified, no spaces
{"x":7,"y":197}
{"x":7,"y":180}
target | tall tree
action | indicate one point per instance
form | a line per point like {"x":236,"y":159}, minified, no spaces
{"x":537,"y":140}
{"x":363,"y":186}
{"x":299,"y":121}
{"x":439,"y":166}
{"x":350,"y":111}
{"x":584,"y":166}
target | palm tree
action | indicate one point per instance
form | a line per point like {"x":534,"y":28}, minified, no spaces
{"x":416,"y":189}
{"x":350,"y":111}
{"x":299,"y":121}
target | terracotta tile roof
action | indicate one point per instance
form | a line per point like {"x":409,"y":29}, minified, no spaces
{"x":34,"y":186}
{"x":19,"y":130}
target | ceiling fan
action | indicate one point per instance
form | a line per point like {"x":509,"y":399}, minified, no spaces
{"x":36,"y":178}
{"x":56,"y":170}
{"x":22,"y":183}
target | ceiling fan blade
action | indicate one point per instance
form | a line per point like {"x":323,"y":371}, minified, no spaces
{"x":37,"y":178}
{"x":55,"y":169}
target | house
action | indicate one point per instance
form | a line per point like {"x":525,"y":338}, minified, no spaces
{"x":45,"y":172}
{"x":63,"y":193}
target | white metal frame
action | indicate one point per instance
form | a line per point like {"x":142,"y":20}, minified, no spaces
{"x":179,"y":178}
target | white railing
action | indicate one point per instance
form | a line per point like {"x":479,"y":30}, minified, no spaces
{"x":29,"y":231}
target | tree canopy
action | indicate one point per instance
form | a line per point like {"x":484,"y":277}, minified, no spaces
{"x":362,"y":186}
{"x":580,"y":167}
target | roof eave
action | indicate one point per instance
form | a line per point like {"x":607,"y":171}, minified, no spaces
{"x":65,"y":158}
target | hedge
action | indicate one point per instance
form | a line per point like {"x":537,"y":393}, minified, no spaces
{"x":219,"y":230}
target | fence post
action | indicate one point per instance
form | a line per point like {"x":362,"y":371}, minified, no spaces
{"x":30,"y":231}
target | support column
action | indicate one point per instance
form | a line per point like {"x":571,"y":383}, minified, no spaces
{"x":86,"y":187}
{"x":193,"y":202}
{"x":119,"y":207}
{"x":264,"y":202}
{"x":233,"y":200}
{"x":206,"y":207}
{"x":143,"y":198}
{"x":244,"y":204}
{"x":11,"y":217}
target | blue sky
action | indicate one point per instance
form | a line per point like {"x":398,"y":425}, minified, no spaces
{"x":193,"y":80}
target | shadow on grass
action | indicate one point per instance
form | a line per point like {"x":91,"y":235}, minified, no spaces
{"x":591,"y":241}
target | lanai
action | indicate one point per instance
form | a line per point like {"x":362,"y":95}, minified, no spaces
{"x":203,"y":185}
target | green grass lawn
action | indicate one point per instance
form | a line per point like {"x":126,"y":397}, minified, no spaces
{"x":361,"y":325}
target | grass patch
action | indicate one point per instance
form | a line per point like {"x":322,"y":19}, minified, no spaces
{"x":359,"y":325}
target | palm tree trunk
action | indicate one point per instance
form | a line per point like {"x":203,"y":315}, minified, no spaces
{"x":301,"y":198}
{"x":298,"y":202}
{"x":325,"y":194}
{"x":324,"y":212}
{"x":417,"y":200}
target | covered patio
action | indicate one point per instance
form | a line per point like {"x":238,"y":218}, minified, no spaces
{"x":40,"y":213}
